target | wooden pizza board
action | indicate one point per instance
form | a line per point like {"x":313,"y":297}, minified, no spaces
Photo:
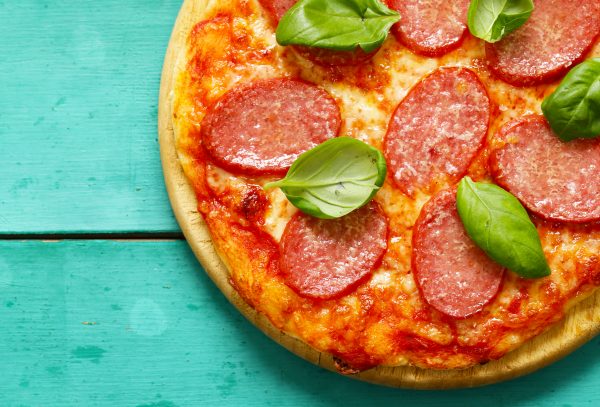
{"x":581,"y":323}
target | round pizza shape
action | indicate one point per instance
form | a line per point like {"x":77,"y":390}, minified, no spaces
{"x":397,"y":282}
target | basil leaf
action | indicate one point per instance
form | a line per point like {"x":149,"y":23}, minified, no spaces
{"x":491,"y":20}
{"x":573,"y":110}
{"x":497,"y":223}
{"x":339,"y":25}
{"x":334,"y":178}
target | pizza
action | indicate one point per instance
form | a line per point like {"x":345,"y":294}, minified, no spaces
{"x":397,"y":281}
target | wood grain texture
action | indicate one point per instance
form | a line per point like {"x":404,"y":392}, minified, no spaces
{"x":78,"y":145}
{"x":581,"y":324}
{"x":51,"y":294}
{"x":103,"y":323}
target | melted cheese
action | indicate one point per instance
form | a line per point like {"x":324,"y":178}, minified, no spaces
{"x":385,"y":321}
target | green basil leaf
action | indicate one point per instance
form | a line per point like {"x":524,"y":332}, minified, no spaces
{"x":573,"y":110}
{"x":334,"y":178}
{"x":491,"y":20}
{"x":497,"y":223}
{"x":339,"y":25}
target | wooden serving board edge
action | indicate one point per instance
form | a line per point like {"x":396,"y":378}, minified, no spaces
{"x":581,"y":323}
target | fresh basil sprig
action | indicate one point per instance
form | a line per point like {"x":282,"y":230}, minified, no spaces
{"x":497,"y":223}
{"x":339,"y":25}
{"x":334,"y":178}
{"x":491,"y":20}
{"x":573,"y":110}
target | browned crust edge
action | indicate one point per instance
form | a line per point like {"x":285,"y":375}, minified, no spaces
{"x":580,"y":325}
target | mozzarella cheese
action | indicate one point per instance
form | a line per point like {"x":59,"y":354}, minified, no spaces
{"x":385,"y":321}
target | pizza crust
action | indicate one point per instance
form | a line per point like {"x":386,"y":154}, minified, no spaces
{"x":221,"y":236}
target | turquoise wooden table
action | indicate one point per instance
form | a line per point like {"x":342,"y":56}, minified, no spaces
{"x":101,"y":301}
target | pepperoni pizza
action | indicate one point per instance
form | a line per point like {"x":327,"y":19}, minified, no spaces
{"x":397,"y":281}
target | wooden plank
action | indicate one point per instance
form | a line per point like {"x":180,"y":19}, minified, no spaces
{"x":109,"y":323}
{"x":78,"y":112}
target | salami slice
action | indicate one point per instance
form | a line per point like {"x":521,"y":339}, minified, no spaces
{"x":327,"y":258}
{"x":261,"y":128}
{"x":437,"y":129}
{"x":557,"y":35}
{"x":330,"y":58}
{"x":556,"y":180}
{"x":430,"y":27}
{"x":455,"y":276}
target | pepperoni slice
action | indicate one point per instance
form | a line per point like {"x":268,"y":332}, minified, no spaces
{"x":327,"y":57}
{"x":261,"y":128}
{"x":556,"y":180}
{"x":437,"y":129}
{"x":327,"y":258}
{"x":430,"y":27}
{"x":455,"y":276}
{"x":557,"y":36}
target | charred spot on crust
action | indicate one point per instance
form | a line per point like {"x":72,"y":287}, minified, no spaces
{"x":253,"y":204}
{"x":343,"y":367}
{"x":354,"y":361}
